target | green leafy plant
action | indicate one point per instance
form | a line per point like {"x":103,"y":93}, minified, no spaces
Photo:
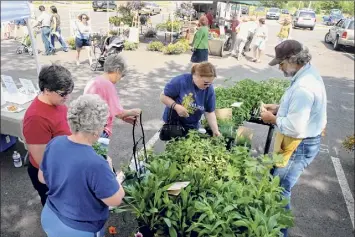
{"x":176,"y":48}
{"x":230,"y":193}
{"x":71,"y":42}
{"x":100,"y":150}
{"x":349,"y":143}
{"x":251,"y":93}
{"x":130,"y":46}
{"x":155,"y":46}
{"x":169,"y":25}
{"x":113,"y":32}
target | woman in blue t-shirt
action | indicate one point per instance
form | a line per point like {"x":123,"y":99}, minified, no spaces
{"x":81,"y":183}
{"x":192,"y":95}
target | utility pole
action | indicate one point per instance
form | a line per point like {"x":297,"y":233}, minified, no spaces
{"x":299,"y":5}
{"x":309,"y":5}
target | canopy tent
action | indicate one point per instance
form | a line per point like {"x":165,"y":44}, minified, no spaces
{"x":16,"y":10}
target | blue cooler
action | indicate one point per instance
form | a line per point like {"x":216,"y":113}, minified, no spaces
{"x":6,"y":141}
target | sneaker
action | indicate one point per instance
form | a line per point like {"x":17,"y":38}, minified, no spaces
{"x":77,"y":62}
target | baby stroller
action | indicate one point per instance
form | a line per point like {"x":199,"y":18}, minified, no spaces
{"x":26,"y":44}
{"x":110,"y":45}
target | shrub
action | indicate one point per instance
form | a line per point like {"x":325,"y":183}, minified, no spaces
{"x":349,"y":143}
{"x":177,"y":48}
{"x":170,"y":26}
{"x":185,"y":43}
{"x":71,"y":42}
{"x":130,"y":46}
{"x":113,"y":32}
{"x":155,"y":46}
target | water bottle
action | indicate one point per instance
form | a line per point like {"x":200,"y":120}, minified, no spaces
{"x":16,"y":157}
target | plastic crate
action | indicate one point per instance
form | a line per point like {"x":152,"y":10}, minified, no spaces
{"x":6,"y":141}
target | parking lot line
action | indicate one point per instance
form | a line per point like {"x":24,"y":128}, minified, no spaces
{"x":349,"y":199}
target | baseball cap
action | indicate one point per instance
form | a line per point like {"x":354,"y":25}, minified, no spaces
{"x":285,"y":50}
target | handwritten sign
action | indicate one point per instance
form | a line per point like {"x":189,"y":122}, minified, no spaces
{"x":28,"y":86}
{"x":9,"y":84}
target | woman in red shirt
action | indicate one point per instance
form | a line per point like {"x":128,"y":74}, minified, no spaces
{"x":46,"y":118}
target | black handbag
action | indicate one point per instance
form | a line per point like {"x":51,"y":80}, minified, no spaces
{"x":171,"y":129}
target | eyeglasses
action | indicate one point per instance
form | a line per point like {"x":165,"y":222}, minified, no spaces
{"x":84,"y":18}
{"x":62,"y":94}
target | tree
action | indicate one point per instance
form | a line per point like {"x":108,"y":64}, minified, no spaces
{"x":273,"y":3}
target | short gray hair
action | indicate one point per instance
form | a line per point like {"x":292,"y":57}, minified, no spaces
{"x":88,"y":114}
{"x":114,"y":63}
{"x":302,"y":58}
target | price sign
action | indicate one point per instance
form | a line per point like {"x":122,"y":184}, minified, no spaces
{"x":28,"y":86}
{"x":9,"y":84}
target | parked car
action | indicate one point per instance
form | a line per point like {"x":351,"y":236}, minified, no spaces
{"x":304,"y":19}
{"x":342,"y":34}
{"x":102,"y":5}
{"x":152,"y":7}
{"x":332,"y":19}
{"x":285,"y":11}
{"x":245,"y":10}
{"x":273,"y":13}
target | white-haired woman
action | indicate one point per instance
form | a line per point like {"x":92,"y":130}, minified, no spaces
{"x":81,"y":183}
{"x":104,"y":86}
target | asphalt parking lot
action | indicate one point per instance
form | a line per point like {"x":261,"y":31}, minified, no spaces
{"x":320,"y":204}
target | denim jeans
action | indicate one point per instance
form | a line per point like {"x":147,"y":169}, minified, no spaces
{"x":60,"y":39}
{"x":305,"y":153}
{"x":54,"y":227}
{"x":46,"y":31}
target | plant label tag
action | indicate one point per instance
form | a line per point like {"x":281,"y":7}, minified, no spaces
{"x":237,"y":104}
{"x":9,"y":84}
{"x":245,"y":132}
{"x":28,"y":86}
{"x":175,"y":188}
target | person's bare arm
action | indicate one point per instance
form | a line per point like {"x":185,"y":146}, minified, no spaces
{"x":212,"y":121}
{"x":181,"y":110}
{"x":116,"y":199}
{"x":37,"y":151}
{"x":41,"y":177}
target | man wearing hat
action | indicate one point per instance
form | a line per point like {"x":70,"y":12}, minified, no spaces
{"x":301,"y":116}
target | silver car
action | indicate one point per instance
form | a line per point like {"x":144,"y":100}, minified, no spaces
{"x":304,"y":19}
{"x":273,"y":13}
{"x":341,"y":34}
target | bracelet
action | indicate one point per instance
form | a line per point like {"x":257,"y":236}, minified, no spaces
{"x":173,"y":105}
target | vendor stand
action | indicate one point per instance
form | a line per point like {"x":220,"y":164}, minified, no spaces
{"x":11,"y":121}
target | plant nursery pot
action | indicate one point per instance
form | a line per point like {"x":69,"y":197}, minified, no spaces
{"x":225,"y":113}
{"x":146,"y":232}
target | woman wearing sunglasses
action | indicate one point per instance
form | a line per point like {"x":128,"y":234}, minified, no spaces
{"x":190,"y":96}
{"x":82,"y":37}
{"x":46,"y":118}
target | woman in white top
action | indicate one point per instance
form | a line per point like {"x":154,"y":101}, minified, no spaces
{"x":259,"y":40}
{"x":82,"y":37}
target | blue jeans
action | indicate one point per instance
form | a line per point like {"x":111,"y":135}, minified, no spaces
{"x":60,"y":39}
{"x":305,"y":153}
{"x":45,"y":32}
{"x":54,"y":227}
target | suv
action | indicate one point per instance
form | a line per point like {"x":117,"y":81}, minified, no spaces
{"x":304,"y":19}
{"x":273,"y":13}
{"x":102,"y":5}
{"x":342,"y":34}
{"x":151,"y":7}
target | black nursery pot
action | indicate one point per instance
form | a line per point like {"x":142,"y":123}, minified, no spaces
{"x":144,"y":230}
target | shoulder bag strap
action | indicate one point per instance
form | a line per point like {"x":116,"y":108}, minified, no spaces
{"x":171,"y":112}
